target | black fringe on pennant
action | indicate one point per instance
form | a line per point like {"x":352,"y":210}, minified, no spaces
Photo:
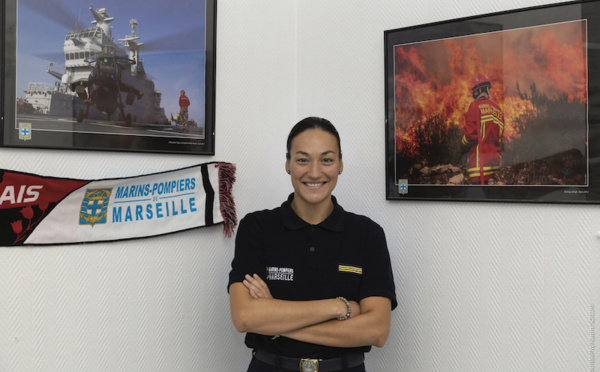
{"x":226,"y":202}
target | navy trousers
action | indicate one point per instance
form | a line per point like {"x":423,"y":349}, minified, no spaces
{"x":258,"y":366}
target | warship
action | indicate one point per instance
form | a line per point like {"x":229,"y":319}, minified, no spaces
{"x":47,"y":99}
{"x":101,"y":76}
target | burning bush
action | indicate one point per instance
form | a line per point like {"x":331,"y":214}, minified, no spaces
{"x":545,"y":142}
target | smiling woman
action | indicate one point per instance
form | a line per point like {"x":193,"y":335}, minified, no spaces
{"x":290,"y":318}
{"x":314,"y":161}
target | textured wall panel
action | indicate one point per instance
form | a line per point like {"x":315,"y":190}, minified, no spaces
{"x":158,"y":304}
{"x":520,"y":294}
{"x":482,"y":287}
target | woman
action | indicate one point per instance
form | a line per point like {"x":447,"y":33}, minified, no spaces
{"x":327,"y":292}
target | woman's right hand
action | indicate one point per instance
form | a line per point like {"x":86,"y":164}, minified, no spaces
{"x":257,"y":287}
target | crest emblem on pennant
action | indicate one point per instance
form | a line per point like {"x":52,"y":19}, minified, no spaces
{"x":24,"y":131}
{"x":94,"y":207}
{"x":403,"y":186}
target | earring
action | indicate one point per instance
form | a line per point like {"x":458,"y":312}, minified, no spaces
{"x":288,"y":172}
{"x":340,"y":172}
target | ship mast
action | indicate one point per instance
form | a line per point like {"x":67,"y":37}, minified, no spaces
{"x":133,"y":46}
{"x":102,"y":20}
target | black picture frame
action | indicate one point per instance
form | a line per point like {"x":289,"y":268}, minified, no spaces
{"x":63,"y":63}
{"x":540,"y":62}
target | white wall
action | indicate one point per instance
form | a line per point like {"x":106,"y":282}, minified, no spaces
{"x":518,"y":296}
{"x":514,"y":296}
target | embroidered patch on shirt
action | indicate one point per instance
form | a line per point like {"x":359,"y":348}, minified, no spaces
{"x":280,"y":273}
{"x":350,"y":269}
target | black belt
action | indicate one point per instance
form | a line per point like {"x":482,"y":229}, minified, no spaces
{"x":311,"y":365}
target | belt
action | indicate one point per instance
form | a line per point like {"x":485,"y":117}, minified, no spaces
{"x":311,"y":365}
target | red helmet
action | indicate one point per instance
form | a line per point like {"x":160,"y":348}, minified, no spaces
{"x":480,"y":83}
{"x":183,"y":91}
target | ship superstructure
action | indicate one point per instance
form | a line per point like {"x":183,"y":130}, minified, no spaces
{"x":50,"y":99}
{"x":138,"y":99}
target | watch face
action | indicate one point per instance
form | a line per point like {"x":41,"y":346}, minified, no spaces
{"x":309,"y":365}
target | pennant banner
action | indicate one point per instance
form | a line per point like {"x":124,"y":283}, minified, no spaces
{"x":37,"y":210}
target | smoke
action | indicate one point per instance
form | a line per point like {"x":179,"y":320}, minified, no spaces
{"x":52,"y":10}
{"x":191,"y":39}
{"x":434,"y":77}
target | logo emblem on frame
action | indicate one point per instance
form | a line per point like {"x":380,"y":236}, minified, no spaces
{"x":24,"y":131}
{"x":403,"y":186}
{"x":94,"y":207}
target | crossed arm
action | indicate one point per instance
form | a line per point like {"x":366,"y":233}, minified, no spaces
{"x":253,"y":309}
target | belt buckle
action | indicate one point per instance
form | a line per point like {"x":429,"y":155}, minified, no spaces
{"x":309,"y":365}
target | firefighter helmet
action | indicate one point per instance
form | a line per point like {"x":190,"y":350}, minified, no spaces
{"x":481,"y":83}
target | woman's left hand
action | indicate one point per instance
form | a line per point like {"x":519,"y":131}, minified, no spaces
{"x":257,"y":287}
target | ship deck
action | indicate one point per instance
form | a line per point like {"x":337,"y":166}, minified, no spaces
{"x":44,"y":123}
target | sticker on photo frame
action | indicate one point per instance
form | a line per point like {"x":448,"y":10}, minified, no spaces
{"x":25,"y":131}
{"x":403,"y":186}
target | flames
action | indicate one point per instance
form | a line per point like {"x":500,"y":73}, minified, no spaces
{"x":434,"y":78}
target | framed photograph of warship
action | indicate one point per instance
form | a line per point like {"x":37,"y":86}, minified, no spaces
{"x":111,"y":75}
{"x":500,"y":107}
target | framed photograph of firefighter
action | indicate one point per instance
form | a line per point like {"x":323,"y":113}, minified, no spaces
{"x":498,"y":107}
{"x":116,"y":75}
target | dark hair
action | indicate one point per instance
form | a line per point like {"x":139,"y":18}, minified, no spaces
{"x":312,"y":122}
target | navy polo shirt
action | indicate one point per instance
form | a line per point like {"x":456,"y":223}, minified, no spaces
{"x":345,"y":255}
